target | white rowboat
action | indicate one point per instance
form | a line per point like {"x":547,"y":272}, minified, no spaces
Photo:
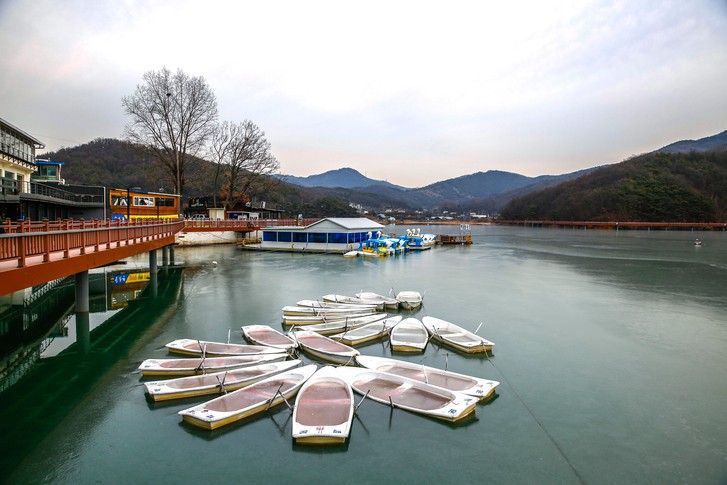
{"x":409,"y":335}
{"x":186,"y":387}
{"x":327,"y":304}
{"x":349,"y":299}
{"x":187,"y":346}
{"x":409,"y":300}
{"x":311,"y":319}
{"x":304,"y":310}
{"x":323,"y":409}
{"x":390,"y":303}
{"x":267,"y":335}
{"x":367,"y":333}
{"x":190,"y":367}
{"x":409,"y":394}
{"x":456,"y":336}
{"x":473,"y":386}
{"x":248,"y":401}
{"x":324,"y":348}
{"x":331,"y":328}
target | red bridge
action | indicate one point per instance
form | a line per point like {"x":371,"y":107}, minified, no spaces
{"x":32,"y":253}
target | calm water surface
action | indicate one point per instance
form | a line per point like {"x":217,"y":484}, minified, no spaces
{"x":610,"y":347}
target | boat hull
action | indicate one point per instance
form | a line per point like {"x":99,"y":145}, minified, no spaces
{"x":328,"y":357}
{"x":406,"y":348}
{"x":320,"y":440}
{"x":473,"y":349}
{"x":210,"y":425}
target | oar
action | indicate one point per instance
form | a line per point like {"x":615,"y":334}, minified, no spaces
{"x":281,"y":395}
{"x":204,"y":356}
{"x":479,"y":326}
{"x":222,"y":383}
{"x":229,"y":331}
{"x":355,"y":409}
{"x":424,"y":370}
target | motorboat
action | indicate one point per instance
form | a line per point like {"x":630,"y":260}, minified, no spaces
{"x":322,"y":347}
{"x":456,"y":337}
{"x":187,"y":346}
{"x":389,"y":303}
{"x":409,"y":394}
{"x":216,"y":383}
{"x":409,"y":300}
{"x":323,"y":409}
{"x":409,"y":335}
{"x":332,"y":328}
{"x":367,"y":333}
{"x":204,"y":365}
{"x":482,"y":389}
{"x":248,"y":401}
{"x":350,"y":300}
{"x":268,"y":336}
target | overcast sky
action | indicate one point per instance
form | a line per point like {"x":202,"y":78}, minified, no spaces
{"x":411,"y":92}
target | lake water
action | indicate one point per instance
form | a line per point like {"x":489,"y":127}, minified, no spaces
{"x":610,"y":347}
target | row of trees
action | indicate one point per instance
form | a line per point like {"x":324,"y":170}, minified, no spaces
{"x":175,"y":115}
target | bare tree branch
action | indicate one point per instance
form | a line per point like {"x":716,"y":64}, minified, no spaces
{"x":172,"y":114}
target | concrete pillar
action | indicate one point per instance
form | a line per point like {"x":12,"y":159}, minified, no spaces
{"x":165,"y":256}
{"x":83,"y":332}
{"x":171,"y":254}
{"x":153,"y":272}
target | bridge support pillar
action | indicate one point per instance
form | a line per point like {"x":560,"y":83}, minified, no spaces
{"x":165,"y":256}
{"x":83,"y":332}
{"x":153,"y":272}
{"x":171,"y":254}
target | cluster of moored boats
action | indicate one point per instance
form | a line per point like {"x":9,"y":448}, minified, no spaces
{"x":264,"y":373}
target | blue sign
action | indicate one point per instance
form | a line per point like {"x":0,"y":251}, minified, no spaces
{"x":120,"y":279}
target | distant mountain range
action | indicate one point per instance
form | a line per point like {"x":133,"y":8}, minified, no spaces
{"x":716,"y":142}
{"x":347,"y":178}
{"x":685,"y":181}
{"x":112,"y":162}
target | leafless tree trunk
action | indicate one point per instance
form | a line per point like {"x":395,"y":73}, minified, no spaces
{"x":248,"y":160}
{"x":172,"y":114}
{"x":221,"y":148}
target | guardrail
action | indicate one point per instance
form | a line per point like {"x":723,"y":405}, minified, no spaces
{"x":619,"y":225}
{"x":15,"y":187}
{"x":242,"y":224}
{"x":22,"y":240}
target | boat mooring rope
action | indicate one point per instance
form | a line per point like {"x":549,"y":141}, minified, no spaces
{"x":535,"y":418}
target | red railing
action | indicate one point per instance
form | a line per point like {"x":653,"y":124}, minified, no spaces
{"x":242,"y":225}
{"x":22,"y":240}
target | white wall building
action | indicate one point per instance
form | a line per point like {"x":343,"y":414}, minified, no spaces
{"x":334,"y":234}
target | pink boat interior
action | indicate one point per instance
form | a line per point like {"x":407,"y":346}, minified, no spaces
{"x":252,"y":395}
{"x":324,"y":403}
{"x":447,"y":381}
{"x":382,"y":387}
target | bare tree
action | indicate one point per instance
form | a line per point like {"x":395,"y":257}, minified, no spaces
{"x":173,"y":115}
{"x":220,"y":151}
{"x":248,"y":161}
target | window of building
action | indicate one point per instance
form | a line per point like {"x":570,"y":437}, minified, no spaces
{"x":118,"y":200}
{"x":165,"y":201}
{"x":143,"y":201}
{"x":337,"y":237}
{"x":316,"y":237}
{"x":270,"y":236}
{"x":300,"y":237}
{"x":284,"y":237}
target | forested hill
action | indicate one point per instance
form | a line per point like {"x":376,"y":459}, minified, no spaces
{"x":668,"y":187}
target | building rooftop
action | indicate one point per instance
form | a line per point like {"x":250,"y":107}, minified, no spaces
{"x":350,"y":222}
{"x":22,"y":134}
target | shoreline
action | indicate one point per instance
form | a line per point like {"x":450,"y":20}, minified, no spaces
{"x":607,"y":225}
